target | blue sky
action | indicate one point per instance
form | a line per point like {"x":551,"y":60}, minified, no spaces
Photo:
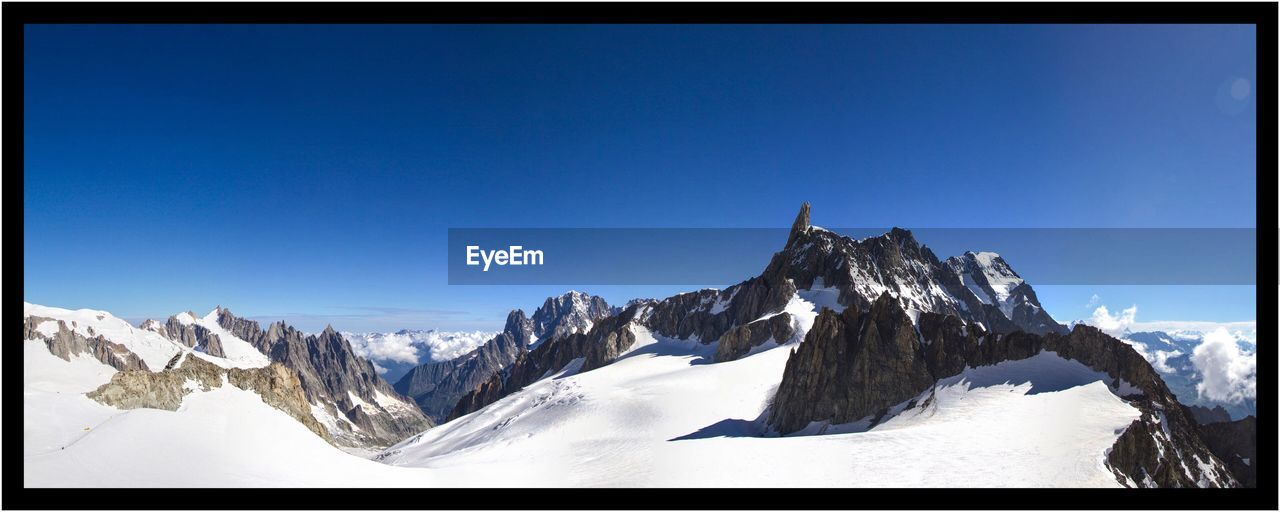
{"x":311,"y":172}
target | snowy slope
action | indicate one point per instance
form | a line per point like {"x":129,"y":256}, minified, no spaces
{"x":151,"y":346}
{"x":224,"y":437}
{"x":663,"y":416}
{"x":239,"y":353}
{"x":154,"y":349}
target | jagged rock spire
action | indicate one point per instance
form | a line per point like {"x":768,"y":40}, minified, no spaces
{"x":801,"y":225}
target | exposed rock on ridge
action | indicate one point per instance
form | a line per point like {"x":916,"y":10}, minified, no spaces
{"x":854,"y":366}
{"x":1236,"y":444}
{"x":606,"y":340}
{"x":66,"y":343}
{"x":335,"y":378}
{"x":438,"y":386}
{"x":278,"y":386}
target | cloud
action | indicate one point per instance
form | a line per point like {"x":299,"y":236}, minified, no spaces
{"x":1115,"y":325}
{"x":393,"y":348}
{"x":1093,"y":301}
{"x":411,"y":347}
{"x":1229,"y":373}
{"x":1126,"y":319}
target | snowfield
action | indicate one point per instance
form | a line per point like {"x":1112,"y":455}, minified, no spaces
{"x":661,"y":415}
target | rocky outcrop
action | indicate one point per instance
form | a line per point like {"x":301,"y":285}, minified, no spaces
{"x":1205,"y":415}
{"x":856,"y":366}
{"x":852,"y":365}
{"x":278,"y":386}
{"x":190,"y":334}
{"x":566,"y":314}
{"x":66,"y":343}
{"x":136,"y":389}
{"x":330,"y":373}
{"x":706,"y":315}
{"x":437,"y":386}
{"x":606,"y":340}
{"x":979,"y":288}
{"x":1236,"y":444}
{"x":739,"y":341}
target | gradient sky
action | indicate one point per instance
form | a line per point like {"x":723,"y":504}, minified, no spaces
{"x":311,"y":172}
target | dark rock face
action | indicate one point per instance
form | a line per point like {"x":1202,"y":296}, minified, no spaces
{"x":437,"y":386}
{"x":979,"y":288}
{"x":851,"y":365}
{"x":1205,"y":415}
{"x":331,"y":374}
{"x":706,"y":315}
{"x":739,"y":340}
{"x":66,"y":343}
{"x":191,"y":335}
{"x":971,"y":286}
{"x":572,"y":312}
{"x":606,"y":340}
{"x":854,"y":366}
{"x":1236,"y":444}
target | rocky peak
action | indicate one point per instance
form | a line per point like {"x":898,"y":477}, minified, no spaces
{"x":569,"y":313}
{"x":856,"y":366}
{"x":520,"y":327}
{"x":331,"y":373}
{"x":851,"y":366}
{"x":800,"y":225}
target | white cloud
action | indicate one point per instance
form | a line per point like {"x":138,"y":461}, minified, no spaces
{"x":1093,"y":301}
{"x":1115,"y":325}
{"x":1126,"y":319}
{"x":1229,"y":373}
{"x":412,"y":347}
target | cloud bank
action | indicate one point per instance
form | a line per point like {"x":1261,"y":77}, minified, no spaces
{"x":1229,"y":373}
{"x":414,"y":347}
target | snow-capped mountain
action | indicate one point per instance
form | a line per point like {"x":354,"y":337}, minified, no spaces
{"x":343,"y":399}
{"x":395,"y":353}
{"x":572,"y":312}
{"x":844,"y":363}
{"x":889,"y":347}
{"x":437,"y":386}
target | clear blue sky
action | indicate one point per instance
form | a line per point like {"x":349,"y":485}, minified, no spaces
{"x":311,"y":172}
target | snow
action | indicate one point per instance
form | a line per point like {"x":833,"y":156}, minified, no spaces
{"x":663,"y":415}
{"x":1000,"y":279}
{"x":239,"y":353}
{"x":223,"y":437}
{"x":154,"y":349}
{"x":54,"y":408}
{"x":822,"y":296}
{"x":389,"y":402}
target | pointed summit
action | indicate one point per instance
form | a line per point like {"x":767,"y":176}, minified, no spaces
{"x":801,"y":225}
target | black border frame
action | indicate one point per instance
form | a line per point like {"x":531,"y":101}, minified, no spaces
{"x":1261,"y":14}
